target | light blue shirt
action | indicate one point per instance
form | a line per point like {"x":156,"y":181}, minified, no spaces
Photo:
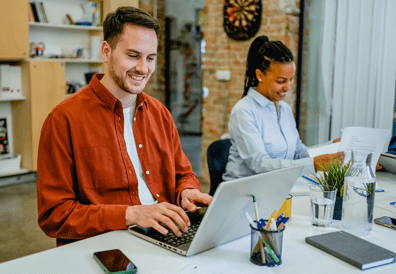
{"x":263,"y":140}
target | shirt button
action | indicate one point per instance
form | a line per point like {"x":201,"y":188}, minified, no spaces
{"x":157,"y":195}
{"x":147,"y":172}
{"x":119,"y":118}
{"x":134,"y":118}
{"x":133,"y":193}
{"x":130,"y":171}
{"x":140,"y":145}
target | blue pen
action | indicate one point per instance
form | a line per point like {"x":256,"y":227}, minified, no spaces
{"x":284,"y":220}
{"x":393,"y":203}
{"x":311,"y":180}
{"x":278,"y":221}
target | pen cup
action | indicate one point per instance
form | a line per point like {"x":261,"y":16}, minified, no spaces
{"x":266,"y":246}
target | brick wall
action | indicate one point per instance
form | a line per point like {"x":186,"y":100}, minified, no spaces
{"x":223,"y":53}
{"x":156,"y":85}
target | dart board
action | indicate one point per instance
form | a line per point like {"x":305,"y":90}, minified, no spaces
{"x":242,"y":18}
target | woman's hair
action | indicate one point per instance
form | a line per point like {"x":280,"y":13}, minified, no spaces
{"x":262,"y":53}
{"x":114,"y":23}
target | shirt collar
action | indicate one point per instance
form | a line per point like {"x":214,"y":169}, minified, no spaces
{"x":259,"y":98}
{"x":108,"y":98}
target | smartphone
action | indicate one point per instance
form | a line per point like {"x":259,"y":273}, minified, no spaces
{"x":386,"y":221}
{"x":115,"y":262}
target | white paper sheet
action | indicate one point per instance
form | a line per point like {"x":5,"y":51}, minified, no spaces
{"x":373,"y":139}
{"x":326,"y":149}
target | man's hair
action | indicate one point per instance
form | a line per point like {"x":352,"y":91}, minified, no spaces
{"x":261,"y":54}
{"x":114,"y":23}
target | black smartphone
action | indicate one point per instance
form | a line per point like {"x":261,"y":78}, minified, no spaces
{"x":386,"y":221}
{"x":115,"y":262}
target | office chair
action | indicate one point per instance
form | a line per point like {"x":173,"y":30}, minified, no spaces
{"x":217,"y":157}
{"x":392,"y":143}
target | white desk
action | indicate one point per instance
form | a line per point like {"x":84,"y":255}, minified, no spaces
{"x":297,"y":256}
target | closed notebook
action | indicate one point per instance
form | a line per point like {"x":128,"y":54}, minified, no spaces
{"x":352,"y":249}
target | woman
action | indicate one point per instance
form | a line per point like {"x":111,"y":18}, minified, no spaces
{"x":262,"y":128}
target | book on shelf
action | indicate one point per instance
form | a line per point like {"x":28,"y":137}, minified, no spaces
{"x":34,"y":10}
{"x":30,"y":14}
{"x":3,"y":137}
{"x":39,"y":12}
{"x":44,"y":13}
{"x":352,"y":249}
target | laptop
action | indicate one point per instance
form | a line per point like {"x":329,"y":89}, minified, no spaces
{"x":388,"y":162}
{"x":224,"y":220}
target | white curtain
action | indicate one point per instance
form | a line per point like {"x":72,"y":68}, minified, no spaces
{"x":356,"y":75}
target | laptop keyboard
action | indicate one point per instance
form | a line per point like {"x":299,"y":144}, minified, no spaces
{"x":172,"y":239}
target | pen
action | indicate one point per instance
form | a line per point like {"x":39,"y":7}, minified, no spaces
{"x":269,"y":220}
{"x":269,"y":249}
{"x":258,"y":224}
{"x":280,"y":218}
{"x":282,"y":223}
{"x":250,"y":220}
{"x":272,"y":224}
{"x":311,"y":180}
{"x":393,"y":203}
{"x":255,"y":209}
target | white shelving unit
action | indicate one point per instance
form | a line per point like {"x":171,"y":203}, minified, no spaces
{"x":62,"y":26}
{"x":8,"y":99}
{"x":62,"y":39}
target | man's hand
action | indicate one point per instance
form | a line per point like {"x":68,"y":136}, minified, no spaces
{"x":153,"y":215}
{"x":193,"y":197}
{"x":328,"y":158}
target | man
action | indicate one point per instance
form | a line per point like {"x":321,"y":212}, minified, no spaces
{"x":110,"y":155}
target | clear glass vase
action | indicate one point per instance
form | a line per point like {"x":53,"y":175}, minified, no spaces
{"x":359,"y":194}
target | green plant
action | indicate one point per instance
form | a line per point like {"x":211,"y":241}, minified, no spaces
{"x":333,"y":174}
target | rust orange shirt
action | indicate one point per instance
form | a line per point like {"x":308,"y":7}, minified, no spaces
{"x":85,"y":178}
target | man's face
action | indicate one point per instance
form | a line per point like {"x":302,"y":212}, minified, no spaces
{"x":132,"y":61}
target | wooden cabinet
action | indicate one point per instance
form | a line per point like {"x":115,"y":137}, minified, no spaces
{"x":46,"y":82}
{"x":43,"y":80}
{"x":14,"y":29}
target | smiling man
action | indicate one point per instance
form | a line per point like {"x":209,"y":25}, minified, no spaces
{"x":110,"y":155}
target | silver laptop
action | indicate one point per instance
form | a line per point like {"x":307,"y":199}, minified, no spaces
{"x":388,"y":161}
{"x":224,"y":220}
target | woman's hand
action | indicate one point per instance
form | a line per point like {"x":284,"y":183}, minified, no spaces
{"x":328,"y":158}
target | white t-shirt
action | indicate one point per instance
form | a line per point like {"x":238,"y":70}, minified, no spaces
{"x":145,"y":196}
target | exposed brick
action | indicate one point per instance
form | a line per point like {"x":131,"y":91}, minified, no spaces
{"x":225,"y":53}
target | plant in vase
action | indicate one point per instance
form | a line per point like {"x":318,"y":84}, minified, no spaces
{"x":332,"y":175}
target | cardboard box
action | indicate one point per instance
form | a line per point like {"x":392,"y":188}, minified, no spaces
{"x":10,"y":163}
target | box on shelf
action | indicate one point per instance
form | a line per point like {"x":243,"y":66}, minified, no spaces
{"x":10,"y":162}
{"x":10,"y":81}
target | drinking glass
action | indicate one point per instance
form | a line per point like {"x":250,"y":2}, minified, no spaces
{"x":322,"y":205}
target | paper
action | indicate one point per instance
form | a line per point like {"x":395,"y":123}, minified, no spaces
{"x":326,"y":149}
{"x":373,"y":139}
{"x":300,"y":187}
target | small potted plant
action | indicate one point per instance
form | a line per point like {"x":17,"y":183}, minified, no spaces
{"x":333,"y":174}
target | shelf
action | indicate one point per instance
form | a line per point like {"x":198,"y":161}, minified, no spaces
{"x":19,"y":98}
{"x":14,"y":172}
{"x":68,"y":60}
{"x":59,"y":26}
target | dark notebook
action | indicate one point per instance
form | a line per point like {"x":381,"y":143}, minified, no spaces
{"x":352,"y":249}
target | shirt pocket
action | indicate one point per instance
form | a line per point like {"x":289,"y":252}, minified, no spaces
{"x":95,"y":168}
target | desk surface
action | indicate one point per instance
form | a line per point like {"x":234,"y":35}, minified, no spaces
{"x":297,"y":256}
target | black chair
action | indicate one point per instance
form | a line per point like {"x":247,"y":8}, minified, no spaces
{"x":392,"y":143}
{"x":217,"y":157}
